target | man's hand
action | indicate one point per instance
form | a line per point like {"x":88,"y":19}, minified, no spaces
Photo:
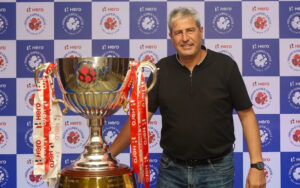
{"x":256,"y":179}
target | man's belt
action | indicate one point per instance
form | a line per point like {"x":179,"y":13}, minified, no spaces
{"x":195,"y":162}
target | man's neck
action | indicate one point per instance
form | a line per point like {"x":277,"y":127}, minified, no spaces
{"x":191,"y":62}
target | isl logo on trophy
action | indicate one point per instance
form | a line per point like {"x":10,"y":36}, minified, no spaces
{"x":94,"y":87}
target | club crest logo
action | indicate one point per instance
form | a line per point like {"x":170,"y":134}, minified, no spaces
{"x":294,"y":135}
{"x":29,"y":99}
{"x":294,"y":98}
{"x":35,"y":24}
{"x":294,"y":60}
{"x":3,"y":138}
{"x":110,"y":133}
{"x":28,"y":138}
{"x":223,"y":23}
{"x":268,"y":173}
{"x":3,"y":100}
{"x":73,"y":23}
{"x":3,"y":62}
{"x":261,"y":98}
{"x":73,"y":137}
{"x":148,"y":55}
{"x":154,"y":137}
{"x":72,"y":54}
{"x":110,"y":23}
{"x":110,"y":53}
{"x":4,"y":176}
{"x":294,"y":23}
{"x":86,"y":74}
{"x":33,"y":180}
{"x":148,"y":23}
{"x":260,"y":60}
{"x":260,"y":23}
{"x":294,"y":173}
{"x":265,"y":135}
{"x":34,"y":59}
{"x":153,"y":175}
{"x":3,"y":24}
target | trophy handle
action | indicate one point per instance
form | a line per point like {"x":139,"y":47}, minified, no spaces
{"x":37,"y":72}
{"x":152,"y":67}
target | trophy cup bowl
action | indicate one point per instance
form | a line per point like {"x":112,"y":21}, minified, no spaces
{"x":94,"y":88}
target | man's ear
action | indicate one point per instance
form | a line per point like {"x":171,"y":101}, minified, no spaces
{"x":170,"y":35}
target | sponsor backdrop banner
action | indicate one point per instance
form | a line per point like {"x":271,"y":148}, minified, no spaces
{"x":263,"y":37}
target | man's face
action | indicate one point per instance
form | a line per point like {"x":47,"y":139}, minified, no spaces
{"x":186,"y":37}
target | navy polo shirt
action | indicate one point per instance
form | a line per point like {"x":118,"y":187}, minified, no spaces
{"x":196,"y":107}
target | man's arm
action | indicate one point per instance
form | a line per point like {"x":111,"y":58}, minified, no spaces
{"x":123,"y":139}
{"x":256,"y":178}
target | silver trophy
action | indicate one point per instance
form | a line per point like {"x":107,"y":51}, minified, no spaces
{"x":94,"y":88}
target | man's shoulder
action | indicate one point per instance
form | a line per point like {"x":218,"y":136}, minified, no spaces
{"x":166,"y":61}
{"x":219,"y":56}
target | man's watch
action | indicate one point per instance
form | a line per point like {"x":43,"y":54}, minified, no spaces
{"x":258,"y":165}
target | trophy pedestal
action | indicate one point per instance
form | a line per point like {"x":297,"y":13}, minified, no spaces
{"x":114,"y":177}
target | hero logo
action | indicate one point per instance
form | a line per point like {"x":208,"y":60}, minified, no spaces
{"x":294,"y":98}
{"x":33,"y":180}
{"x":35,"y":24}
{"x":3,"y":24}
{"x":28,"y":138}
{"x":110,"y":133}
{"x":261,"y":98}
{"x":3,"y":138}
{"x":260,"y":60}
{"x":294,"y":135}
{"x":110,"y":53}
{"x":73,"y":23}
{"x":223,"y":23}
{"x":3,"y":100}
{"x":110,"y":23}
{"x":73,"y":137}
{"x":294,"y":173}
{"x":260,"y":22}
{"x":265,"y":135}
{"x":148,"y":23}
{"x":294,"y":23}
{"x":34,"y":59}
{"x":268,"y":173}
{"x":153,"y":175}
{"x":154,"y":137}
{"x":3,"y":62}
{"x":29,"y":99}
{"x":72,"y":54}
{"x":294,"y":60}
{"x":4,"y":176}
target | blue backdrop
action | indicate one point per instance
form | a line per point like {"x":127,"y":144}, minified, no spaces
{"x":262,"y":36}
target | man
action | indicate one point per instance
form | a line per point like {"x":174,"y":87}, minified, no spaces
{"x":196,"y":90}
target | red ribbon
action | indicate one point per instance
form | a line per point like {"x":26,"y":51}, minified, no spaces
{"x":46,"y":108}
{"x":139,"y":125}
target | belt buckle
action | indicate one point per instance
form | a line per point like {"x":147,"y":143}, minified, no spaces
{"x":193,"y":162}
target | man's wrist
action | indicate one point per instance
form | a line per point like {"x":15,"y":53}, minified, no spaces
{"x":258,"y":165}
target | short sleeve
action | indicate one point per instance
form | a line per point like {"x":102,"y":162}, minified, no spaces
{"x":238,"y":91}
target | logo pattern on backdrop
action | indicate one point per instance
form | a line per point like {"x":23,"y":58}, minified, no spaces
{"x":141,"y":34}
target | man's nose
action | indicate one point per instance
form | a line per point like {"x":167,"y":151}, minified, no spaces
{"x":185,"y":36}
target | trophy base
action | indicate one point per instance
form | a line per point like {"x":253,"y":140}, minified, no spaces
{"x":115,"y":177}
